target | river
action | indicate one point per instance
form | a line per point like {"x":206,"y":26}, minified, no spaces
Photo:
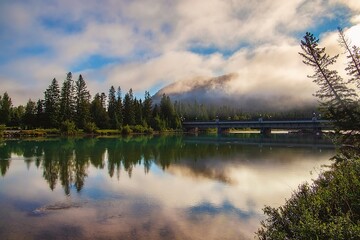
{"x":150,"y":187}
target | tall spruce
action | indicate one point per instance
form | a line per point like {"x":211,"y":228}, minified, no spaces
{"x":30,"y":114}
{"x":336,"y":97}
{"x":67,"y":102}
{"x":98,"y":111}
{"x":52,"y":104}
{"x":40,"y":113}
{"x":112,"y":108}
{"x":119,"y":109}
{"x":353,"y":56}
{"x":147,"y":109}
{"x":82,"y":103}
{"x":128,"y":110}
{"x":138,"y":111}
{"x":5,"y":109}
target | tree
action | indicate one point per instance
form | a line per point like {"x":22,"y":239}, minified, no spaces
{"x":67,"y":102}
{"x":30,"y":114}
{"x":82,"y":103}
{"x":5,"y":109}
{"x":138,"y":111}
{"x":98,"y":112}
{"x":112,"y":108}
{"x":147,"y":108}
{"x":128,"y":111}
{"x":17,"y":115}
{"x":168,"y":114}
{"x":330,"y":207}
{"x":338,"y":100}
{"x":353,"y":55}
{"x":40,"y":115}
{"x":52,"y":105}
{"x":119,"y":109}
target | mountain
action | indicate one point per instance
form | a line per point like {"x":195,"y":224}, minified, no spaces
{"x":231,"y":91}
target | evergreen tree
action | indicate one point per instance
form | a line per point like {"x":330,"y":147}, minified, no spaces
{"x":98,"y":112}
{"x":168,"y":114}
{"x":30,"y":114}
{"x":112,"y":108}
{"x":40,"y":114}
{"x":5,"y":109}
{"x":67,"y":102}
{"x":337,"y":99}
{"x":147,"y":109}
{"x":52,"y":105}
{"x":17,"y":115}
{"x":82,"y":103}
{"x":119,"y":109}
{"x":353,"y":55}
{"x":138,"y":112}
{"x":128,"y":112}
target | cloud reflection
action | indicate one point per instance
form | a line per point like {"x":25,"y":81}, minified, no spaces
{"x":149,"y":187}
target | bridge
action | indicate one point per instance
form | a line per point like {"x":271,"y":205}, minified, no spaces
{"x":265,"y":127}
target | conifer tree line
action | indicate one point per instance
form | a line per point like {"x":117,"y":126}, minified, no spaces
{"x":72,"y":104}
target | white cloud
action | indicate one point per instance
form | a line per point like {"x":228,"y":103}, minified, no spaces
{"x":153,"y":39}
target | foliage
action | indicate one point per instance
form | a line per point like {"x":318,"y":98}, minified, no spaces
{"x":327,"y":209}
{"x":52,"y":104}
{"x":67,"y":100}
{"x":90,"y":127}
{"x":330,"y":207}
{"x":5,"y":108}
{"x":68,"y":128}
{"x":2,"y":129}
{"x":126,"y":130}
{"x":339,"y":100}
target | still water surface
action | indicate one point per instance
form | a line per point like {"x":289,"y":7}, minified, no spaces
{"x":168,"y":187}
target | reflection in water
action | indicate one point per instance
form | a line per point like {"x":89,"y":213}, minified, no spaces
{"x":177,"y":187}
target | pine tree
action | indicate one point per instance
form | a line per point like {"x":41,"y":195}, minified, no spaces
{"x":138,"y":112}
{"x":52,"y":105}
{"x":40,"y":114}
{"x":119,"y":109}
{"x":147,"y":109}
{"x":67,"y":102}
{"x":128,"y":111}
{"x":337,"y":99}
{"x":112,"y":108}
{"x":353,"y":55}
{"x":30,"y":114}
{"x":98,"y":111}
{"x":82,"y":103}
{"x":5,"y":109}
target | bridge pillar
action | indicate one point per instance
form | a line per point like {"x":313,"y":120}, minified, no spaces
{"x":265,"y":131}
{"x":222,"y":130}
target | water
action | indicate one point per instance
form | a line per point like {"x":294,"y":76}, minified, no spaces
{"x":169,"y":187}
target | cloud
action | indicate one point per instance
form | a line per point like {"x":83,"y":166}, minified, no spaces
{"x":153,"y":43}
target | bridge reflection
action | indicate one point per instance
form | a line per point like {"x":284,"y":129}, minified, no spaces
{"x":265,"y":127}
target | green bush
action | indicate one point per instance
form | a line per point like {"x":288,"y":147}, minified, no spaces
{"x":2,"y":129}
{"x":327,"y":209}
{"x":90,"y":127}
{"x":68,"y":128}
{"x":126,"y":130}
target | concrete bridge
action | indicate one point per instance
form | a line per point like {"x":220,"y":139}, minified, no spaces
{"x":265,"y":127}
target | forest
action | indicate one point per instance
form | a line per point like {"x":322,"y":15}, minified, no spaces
{"x":70,"y":107}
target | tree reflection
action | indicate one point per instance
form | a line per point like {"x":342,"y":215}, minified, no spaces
{"x":66,"y":161}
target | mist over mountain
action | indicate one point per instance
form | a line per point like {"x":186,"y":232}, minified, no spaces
{"x":232,"y":91}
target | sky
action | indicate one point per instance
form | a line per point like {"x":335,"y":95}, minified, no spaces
{"x":148,"y":44}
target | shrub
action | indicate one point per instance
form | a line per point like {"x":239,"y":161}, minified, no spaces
{"x":126,"y":130}
{"x":2,"y":129}
{"x":68,"y":128}
{"x":327,"y":209}
{"x":90,"y":127}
